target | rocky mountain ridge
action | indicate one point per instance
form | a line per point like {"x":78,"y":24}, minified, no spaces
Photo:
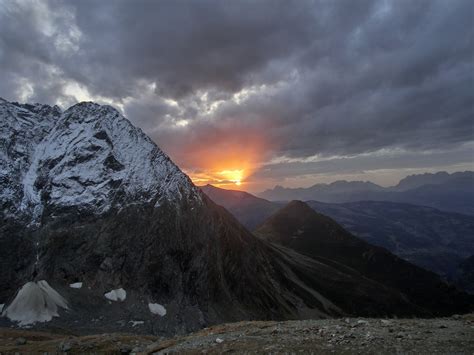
{"x":297,"y":226}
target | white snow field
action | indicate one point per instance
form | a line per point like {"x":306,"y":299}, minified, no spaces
{"x":116,"y":295}
{"x":35,"y":302}
{"x":76,"y":285}
{"x":157,"y":308}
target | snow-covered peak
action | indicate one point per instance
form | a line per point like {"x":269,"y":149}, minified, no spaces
{"x":89,"y":157}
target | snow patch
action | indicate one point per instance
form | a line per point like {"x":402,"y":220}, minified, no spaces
{"x":35,"y":302}
{"x":157,"y":308}
{"x":116,"y":295}
{"x":76,"y":285}
{"x":136,"y":322}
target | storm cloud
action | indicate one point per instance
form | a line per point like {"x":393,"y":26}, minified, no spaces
{"x":343,"y":81}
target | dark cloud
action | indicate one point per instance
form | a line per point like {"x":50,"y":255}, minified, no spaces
{"x":385,"y":160}
{"x":332,"y":78}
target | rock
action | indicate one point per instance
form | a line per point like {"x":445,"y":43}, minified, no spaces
{"x":219,"y":340}
{"x":65,"y":346}
{"x":20,"y":341}
{"x":360,"y":323}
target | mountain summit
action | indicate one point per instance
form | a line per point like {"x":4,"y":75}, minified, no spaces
{"x":88,"y":157}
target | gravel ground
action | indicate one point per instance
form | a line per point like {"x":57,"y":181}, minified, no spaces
{"x":453,"y":335}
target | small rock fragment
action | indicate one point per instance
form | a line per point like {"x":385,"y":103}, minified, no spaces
{"x":20,"y":341}
{"x":125,"y":349}
{"x":65,"y":346}
{"x":219,"y":340}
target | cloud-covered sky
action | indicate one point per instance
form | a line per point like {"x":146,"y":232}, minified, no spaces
{"x":289,"y":92}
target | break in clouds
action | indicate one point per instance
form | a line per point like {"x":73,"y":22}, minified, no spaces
{"x":289,"y":89}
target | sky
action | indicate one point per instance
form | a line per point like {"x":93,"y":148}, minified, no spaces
{"x":251,"y":94}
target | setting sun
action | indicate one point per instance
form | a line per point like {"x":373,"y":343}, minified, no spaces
{"x":221,"y":177}
{"x":229,"y":162}
{"x":234,"y":176}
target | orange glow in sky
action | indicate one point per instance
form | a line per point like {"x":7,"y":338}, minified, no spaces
{"x":226,"y":160}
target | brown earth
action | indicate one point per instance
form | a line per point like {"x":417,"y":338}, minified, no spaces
{"x":454,"y":335}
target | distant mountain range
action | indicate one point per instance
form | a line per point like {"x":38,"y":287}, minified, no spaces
{"x":448,"y":192}
{"x":435,"y":240}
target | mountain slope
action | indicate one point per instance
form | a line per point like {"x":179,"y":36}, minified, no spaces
{"x":96,"y":203}
{"x":249,"y":210}
{"x":299,"y":227}
{"x":466,"y":277}
{"x":432,"y":239}
{"x":427,"y":237}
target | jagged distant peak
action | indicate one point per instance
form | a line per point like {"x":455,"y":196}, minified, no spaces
{"x":440,"y":177}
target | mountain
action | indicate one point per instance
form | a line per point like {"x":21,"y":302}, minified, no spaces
{"x":249,"y":210}
{"x":447,"y":192}
{"x":439,"y":178}
{"x":299,"y":227}
{"x":100,"y":230}
{"x":466,"y":277}
{"x":432,"y":239}
{"x":333,"y":191}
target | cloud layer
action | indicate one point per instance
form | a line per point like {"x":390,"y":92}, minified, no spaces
{"x":265,"y":86}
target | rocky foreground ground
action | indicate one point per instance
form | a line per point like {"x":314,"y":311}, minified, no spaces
{"x":453,"y":335}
